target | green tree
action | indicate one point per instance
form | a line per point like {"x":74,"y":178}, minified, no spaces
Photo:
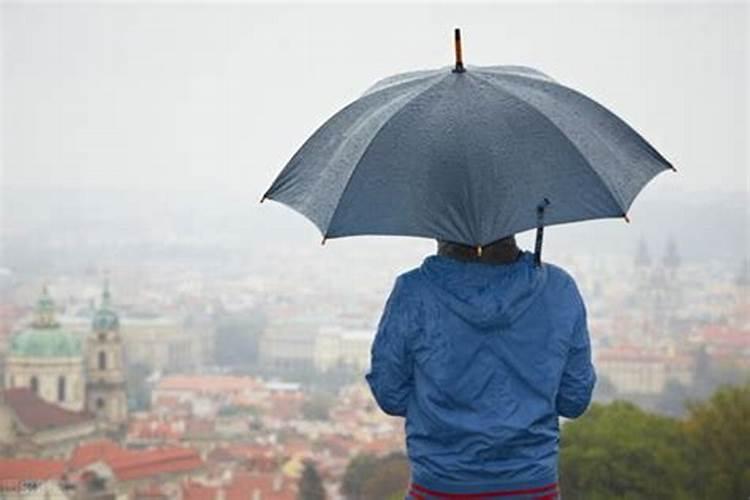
{"x":389,"y":477}
{"x":619,"y":452}
{"x":357,"y":471}
{"x":368,"y":477}
{"x":718,"y":432}
{"x":310,"y":487}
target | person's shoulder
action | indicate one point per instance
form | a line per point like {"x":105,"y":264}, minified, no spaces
{"x":409,"y":279}
{"x":560,"y":277}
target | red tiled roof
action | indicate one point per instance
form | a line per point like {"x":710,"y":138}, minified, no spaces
{"x":127,"y":464}
{"x":94,"y":451}
{"x":26,"y":469}
{"x":722,"y":335}
{"x":141,"y":464}
{"x":37,"y":414}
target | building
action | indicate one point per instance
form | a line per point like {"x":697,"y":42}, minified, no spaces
{"x":160,"y":343}
{"x":105,"y":370}
{"x":288,"y":345}
{"x":48,"y":359}
{"x":633,"y":370}
{"x":106,"y":466}
{"x":335,"y":347}
{"x":67,"y":370}
{"x":25,"y":478}
{"x":31,"y":426}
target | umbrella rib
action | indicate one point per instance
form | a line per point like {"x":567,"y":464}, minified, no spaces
{"x":498,"y":86}
{"x":369,"y":145}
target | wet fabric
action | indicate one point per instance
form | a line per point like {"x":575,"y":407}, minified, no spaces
{"x":466,"y":157}
{"x":482,"y":359}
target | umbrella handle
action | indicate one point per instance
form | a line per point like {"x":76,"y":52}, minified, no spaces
{"x":539,"y":231}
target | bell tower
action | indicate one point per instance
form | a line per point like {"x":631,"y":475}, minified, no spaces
{"x":105,"y":371}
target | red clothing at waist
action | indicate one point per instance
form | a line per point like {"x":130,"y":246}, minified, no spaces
{"x":547,"y":492}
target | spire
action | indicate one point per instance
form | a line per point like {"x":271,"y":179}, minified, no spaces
{"x":105,"y":317}
{"x":106,"y":297}
{"x":44,"y":313}
{"x":671,"y":255}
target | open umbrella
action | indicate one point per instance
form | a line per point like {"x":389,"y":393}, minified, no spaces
{"x":466,"y":154}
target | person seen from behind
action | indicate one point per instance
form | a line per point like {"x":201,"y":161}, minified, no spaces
{"x":481,"y":354}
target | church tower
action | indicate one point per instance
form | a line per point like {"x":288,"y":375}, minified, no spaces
{"x":105,"y":370}
{"x":47,"y":358}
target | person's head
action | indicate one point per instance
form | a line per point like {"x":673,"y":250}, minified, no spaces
{"x":499,"y":251}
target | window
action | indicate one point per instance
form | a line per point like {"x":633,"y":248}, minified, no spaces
{"x":61,"y":388}
{"x":102,"y":360}
{"x":34,"y":383}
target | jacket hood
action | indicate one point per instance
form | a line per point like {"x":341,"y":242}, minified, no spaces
{"x":485,"y":294}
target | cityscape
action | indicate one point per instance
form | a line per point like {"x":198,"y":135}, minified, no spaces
{"x":164,"y":379}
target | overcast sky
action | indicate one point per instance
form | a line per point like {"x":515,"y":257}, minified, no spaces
{"x":219,"y":97}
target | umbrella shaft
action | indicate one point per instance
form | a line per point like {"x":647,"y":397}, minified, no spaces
{"x":538,"y":245}
{"x":539,"y":231}
{"x":459,"y":57}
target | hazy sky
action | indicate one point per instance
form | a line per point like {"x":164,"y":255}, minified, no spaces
{"x":219,"y":97}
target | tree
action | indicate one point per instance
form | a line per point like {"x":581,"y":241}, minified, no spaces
{"x":357,"y":471}
{"x":368,"y":477}
{"x":619,"y":452}
{"x":718,"y":432}
{"x":673,"y":398}
{"x":389,"y":477}
{"x":310,"y":486}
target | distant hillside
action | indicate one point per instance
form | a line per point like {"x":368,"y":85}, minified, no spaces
{"x":82,"y":225}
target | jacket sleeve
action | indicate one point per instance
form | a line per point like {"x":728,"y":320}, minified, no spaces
{"x":391,"y":364}
{"x":578,"y":377}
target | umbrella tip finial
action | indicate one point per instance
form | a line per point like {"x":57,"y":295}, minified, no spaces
{"x":457,"y":46}
{"x":323,"y":242}
{"x":263,"y":198}
{"x":627,"y":219}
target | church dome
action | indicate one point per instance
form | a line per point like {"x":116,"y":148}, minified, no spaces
{"x":104,"y":319}
{"x":51,"y":342}
{"x":45,"y":338}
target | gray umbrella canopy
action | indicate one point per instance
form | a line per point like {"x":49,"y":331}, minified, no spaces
{"x":466,"y":156}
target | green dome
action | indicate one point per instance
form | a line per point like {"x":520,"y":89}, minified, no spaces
{"x":46,"y":343}
{"x":106,"y":320}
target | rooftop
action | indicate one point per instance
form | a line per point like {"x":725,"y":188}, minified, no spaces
{"x":36,"y":414}
{"x":29,"y":469}
{"x":127,"y":464}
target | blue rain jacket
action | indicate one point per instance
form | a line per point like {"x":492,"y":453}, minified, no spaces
{"x":482,"y":359}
